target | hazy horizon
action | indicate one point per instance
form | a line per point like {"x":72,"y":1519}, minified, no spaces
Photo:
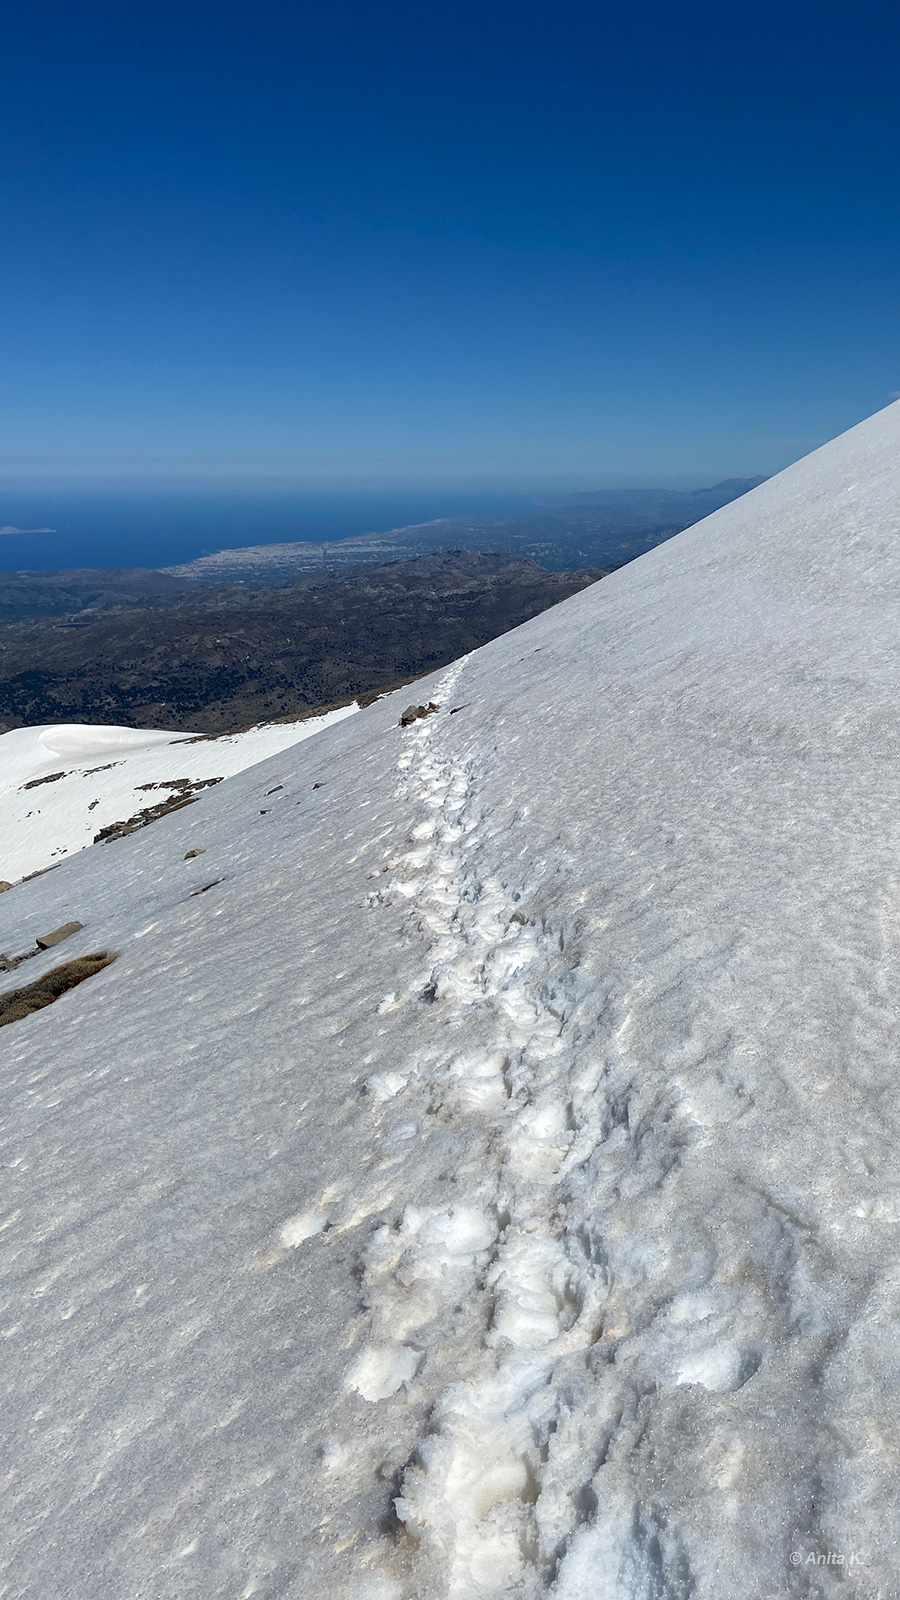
{"x":120,"y":524}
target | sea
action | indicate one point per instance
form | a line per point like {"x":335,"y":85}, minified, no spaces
{"x":129,"y":527}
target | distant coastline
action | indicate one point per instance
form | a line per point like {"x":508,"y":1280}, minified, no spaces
{"x":163,"y":529}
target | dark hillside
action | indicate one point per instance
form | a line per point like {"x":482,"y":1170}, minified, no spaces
{"x":228,"y":657}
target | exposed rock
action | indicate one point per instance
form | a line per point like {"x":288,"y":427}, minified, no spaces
{"x":40,"y":871}
{"x":413,"y":713}
{"x":51,"y":777}
{"x":190,"y":854}
{"x":4,"y":885}
{"x":185,"y":785}
{"x":65,"y":931}
{"x":119,"y":830}
{"x":186,"y":792}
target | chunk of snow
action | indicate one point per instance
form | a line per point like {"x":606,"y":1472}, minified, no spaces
{"x":383,"y":1369}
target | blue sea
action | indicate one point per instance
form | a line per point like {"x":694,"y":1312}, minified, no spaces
{"x":159,"y":527}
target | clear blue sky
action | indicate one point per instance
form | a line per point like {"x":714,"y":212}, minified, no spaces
{"x":445,"y":242}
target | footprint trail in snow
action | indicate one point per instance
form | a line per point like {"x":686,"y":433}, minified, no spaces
{"x":483,"y":1496}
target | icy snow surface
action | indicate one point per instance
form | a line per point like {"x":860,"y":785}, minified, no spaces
{"x":489,"y":1186}
{"x":60,"y":785}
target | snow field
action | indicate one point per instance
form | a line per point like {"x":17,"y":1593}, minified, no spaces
{"x":109,"y":774}
{"x":487,"y":1186}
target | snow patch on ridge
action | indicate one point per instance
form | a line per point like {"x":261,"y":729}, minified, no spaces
{"x":103,"y":777}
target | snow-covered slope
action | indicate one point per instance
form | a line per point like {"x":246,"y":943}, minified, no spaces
{"x":59,"y":786}
{"x":489,"y":1185}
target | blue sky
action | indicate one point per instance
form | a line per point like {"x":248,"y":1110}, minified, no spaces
{"x":428,"y":243}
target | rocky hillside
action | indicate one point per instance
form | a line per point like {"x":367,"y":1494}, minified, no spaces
{"x":234,"y":656}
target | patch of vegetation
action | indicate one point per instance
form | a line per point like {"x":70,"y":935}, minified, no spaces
{"x":19,"y":1003}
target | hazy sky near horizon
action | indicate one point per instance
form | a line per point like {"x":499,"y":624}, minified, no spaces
{"x":498,"y":244}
